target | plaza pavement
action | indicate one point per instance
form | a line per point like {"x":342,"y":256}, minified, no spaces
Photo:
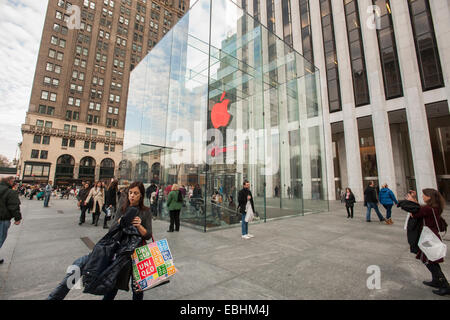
{"x":318,"y":256}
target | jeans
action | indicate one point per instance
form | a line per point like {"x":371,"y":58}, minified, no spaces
{"x":83,"y":213}
{"x":4,"y":226}
{"x":388,"y":208}
{"x":370,"y":206}
{"x":349,"y":211}
{"x":46,"y":200}
{"x":244,"y":225}
{"x":61,"y":291}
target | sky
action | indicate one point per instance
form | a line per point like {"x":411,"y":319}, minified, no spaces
{"x":21,"y":24}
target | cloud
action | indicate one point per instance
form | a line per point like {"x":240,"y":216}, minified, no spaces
{"x":21,"y":24}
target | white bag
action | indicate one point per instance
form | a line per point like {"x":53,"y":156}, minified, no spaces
{"x":430,"y":244}
{"x":108,"y":212}
{"x":249,"y":212}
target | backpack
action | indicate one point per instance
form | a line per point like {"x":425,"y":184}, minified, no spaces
{"x":180,"y":196}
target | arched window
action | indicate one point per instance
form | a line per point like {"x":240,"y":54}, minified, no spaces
{"x":107,"y":169}
{"x":87,"y":168}
{"x":64,"y":166}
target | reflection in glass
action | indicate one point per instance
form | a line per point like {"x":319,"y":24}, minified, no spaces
{"x":215,"y":103}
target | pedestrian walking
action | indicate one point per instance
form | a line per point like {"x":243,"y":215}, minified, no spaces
{"x":349,"y":199}
{"x":174,"y":204}
{"x":371,"y":201}
{"x":47,"y":193}
{"x":430,"y":214}
{"x":135,"y":219}
{"x":82,"y":196}
{"x":387,"y":200}
{"x":9,"y":208}
{"x":244,"y":196}
{"x":98,"y":194}
{"x":110,"y":201}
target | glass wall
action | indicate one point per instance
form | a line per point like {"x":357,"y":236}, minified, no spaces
{"x":221,"y":99}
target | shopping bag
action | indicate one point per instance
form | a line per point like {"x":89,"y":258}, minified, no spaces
{"x":152,"y":265}
{"x":430,"y":244}
{"x":249,"y":216}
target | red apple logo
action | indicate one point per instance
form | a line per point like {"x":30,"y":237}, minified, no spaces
{"x":219,"y":113}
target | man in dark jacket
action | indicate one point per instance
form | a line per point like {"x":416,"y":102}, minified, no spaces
{"x":371,"y":201}
{"x":9,"y":208}
{"x":82,"y":196}
{"x":245,"y":195}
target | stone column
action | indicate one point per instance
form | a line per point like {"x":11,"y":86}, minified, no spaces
{"x":414,"y":100}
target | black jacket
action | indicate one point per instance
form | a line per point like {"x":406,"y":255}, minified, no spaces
{"x":111,"y":197}
{"x":152,"y":188}
{"x":350,"y":201}
{"x":9,"y":203}
{"x":242,"y":200}
{"x":111,"y":256}
{"x":83,"y":194}
{"x":414,"y":225}
{"x":370,"y":195}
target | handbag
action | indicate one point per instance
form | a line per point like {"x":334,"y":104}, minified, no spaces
{"x":430,"y":244}
{"x":152,"y":265}
{"x":249,"y":216}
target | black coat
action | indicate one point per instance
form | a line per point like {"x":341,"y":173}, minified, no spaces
{"x":111,"y":197}
{"x":242,"y":200}
{"x":414,"y":227}
{"x":350,"y":201}
{"x":370,"y":195}
{"x":109,"y":256}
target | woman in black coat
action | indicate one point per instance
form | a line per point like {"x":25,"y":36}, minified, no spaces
{"x":349,"y":199}
{"x":143,"y":223}
{"x":110,"y":200}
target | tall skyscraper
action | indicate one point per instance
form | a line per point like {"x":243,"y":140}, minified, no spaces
{"x":74,"y":126}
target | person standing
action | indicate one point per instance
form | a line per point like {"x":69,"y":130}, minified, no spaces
{"x":110,"y":201}
{"x":244,"y":196}
{"x":82,"y":196}
{"x":98,"y":194}
{"x":152,"y":188}
{"x":47,"y":193}
{"x":132,"y":199}
{"x":387,"y":200}
{"x":431,"y":215}
{"x":174,"y":204}
{"x":349,"y":199}
{"x":371,"y":201}
{"x":9,"y":208}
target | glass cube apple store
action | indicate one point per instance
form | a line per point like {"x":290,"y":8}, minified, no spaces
{"x":219,"y":100}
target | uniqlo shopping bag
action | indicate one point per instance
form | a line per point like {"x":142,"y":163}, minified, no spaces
{"x":152,"y":265}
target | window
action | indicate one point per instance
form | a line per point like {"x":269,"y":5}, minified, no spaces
{"x":388,"y":52}
{"x":65,"y":142}
{"x":357,"y":56}
{"x":44,"y":95}
{"x":46,"y":140}
{"x":50,"y":111}
{"x":72,"y":143}
{"x":426,"y":46}
{"x":66,"y":128}
{"x":37,"y":139}
{"x":34,"y":154}
{"x":329,"y":44}
{"x":42,"y":109}
{"x":39,"y":123}
{"x":44,"y":154}
{"x":86,"y":144}
{"x":48,"y":124}
{"x":93,"y":145}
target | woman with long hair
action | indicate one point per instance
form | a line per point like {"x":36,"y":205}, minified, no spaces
{"x":110,"y":200}
{"x":431,"y":213}
{"x":349,"y":199}
{"x":97,"y":193}
{"x":141,"y":221}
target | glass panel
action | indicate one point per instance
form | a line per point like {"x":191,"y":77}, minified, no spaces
{"x":219,"y":100}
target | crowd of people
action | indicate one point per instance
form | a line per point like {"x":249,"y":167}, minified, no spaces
{"x":131,"y":218}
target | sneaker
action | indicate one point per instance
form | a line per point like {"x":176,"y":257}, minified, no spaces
{"x":246,"y":237}
{"x":250,"y":235}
